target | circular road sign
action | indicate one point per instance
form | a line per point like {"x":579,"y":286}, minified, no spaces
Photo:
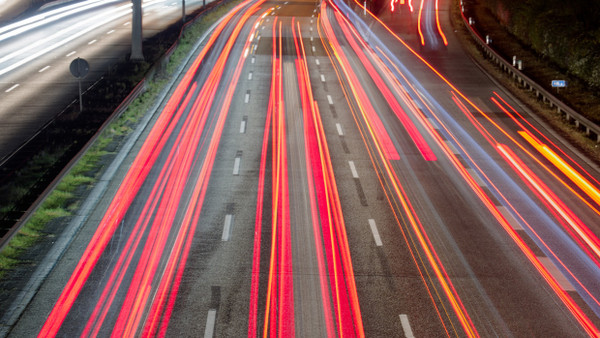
{"x":79,"y":68}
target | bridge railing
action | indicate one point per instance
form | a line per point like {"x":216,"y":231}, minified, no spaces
{"x":591,"y":129}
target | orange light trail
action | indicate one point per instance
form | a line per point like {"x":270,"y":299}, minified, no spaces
{"x":442,"y":277}
{"x":148,"y":154}
{"x":347,"y":307}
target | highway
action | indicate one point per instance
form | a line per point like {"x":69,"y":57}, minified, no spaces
{"x":35,"y":53}
{"x":314,"y":173}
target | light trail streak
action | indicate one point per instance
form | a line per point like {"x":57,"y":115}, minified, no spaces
{"x":347,"y":306}
{"x":253,"y":311}
{"x":409,"y":126}
{"x":279,"y":290}
{"x":581,"y":317}
{"x":132,"y":182}
{"x":413,"y":220}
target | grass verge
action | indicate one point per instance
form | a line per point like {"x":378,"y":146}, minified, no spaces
{"x":64,"y":200}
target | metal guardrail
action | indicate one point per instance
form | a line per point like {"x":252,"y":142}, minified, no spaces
{"x":591,"y":129}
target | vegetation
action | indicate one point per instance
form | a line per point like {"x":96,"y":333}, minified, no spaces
{"x":564,"y":32}
{"x":20,"y":184}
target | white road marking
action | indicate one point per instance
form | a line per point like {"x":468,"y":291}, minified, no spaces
{"x":43,"y":69}
{"x":406,"y":326}
{"x":110,"y":31}
{"x":375,"y":232}
{"x":476,"y":177}
{"x":236,"y":166}
{"x":243,"y":127}
{"x":329,"y":99}
{"x":127,"y":23}
{"x":317,"y":62}
{"x":209,"y":331}
{"x":247,"y":98}
{"x":510,"y":218}
{"x":250,"y":76}
{"x":557,"y":274}
{"x":353,"y":169}
{"x":433,"y":123}
{"x":11,"y":88}
{"x":452,"y":147}
{"x":73,"y":52}
{"x":227,"y":228}
{"x":322,"y":78}
{"x":253,"y":59}
{"x":311,"y":28}
{"x":92,"y":42}
{"x":314,"y":49}
{"x":339,"y":129}
{"x":311,"y":39}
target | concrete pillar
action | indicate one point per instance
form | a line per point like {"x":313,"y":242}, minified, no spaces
{"x":136,"y":32}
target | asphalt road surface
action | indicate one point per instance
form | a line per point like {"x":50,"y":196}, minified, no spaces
{"x":312,"y":174}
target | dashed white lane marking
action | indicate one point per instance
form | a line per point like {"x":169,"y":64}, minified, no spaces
{"x":406,"y":326}
{"x":11,"y":88}
{"x":127,"y":23}
{"x":311,"y":28}
{"x":311,"y":39}
{"x":110,"y":31}
{"x":209,"y":330}
{"x":329,"y":99}
{"x":243,"y":127}
{"x":353,"y":169}
{"x":452,"y":148}
{"x":314,"y":49}
{"x":555,"y":272}
{"x":92,"y":42}
{"x":73,"y":52}
{"x":253,"y":59}
{"x":227,"y":228}
{"x":510,"y":218}
{"x":236,"y":166}
{"x":476,"y":177}
{"x":44,"y":69}
{"x":250,"y":76}
{"x":247,"y":98}
{"x":339,"y":129}
{"x":322,"y":78}
{"x":433,"y":123}
{"x":317,"y":62}
{"x":375,"y":232}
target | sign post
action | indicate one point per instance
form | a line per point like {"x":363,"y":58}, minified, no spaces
{"x":559,"y":84}
{"x":79,"y":69}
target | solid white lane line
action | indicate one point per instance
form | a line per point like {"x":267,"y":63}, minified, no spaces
{"x":329,"y":99}
{"x":353,"y":169}
{"x":209,"y":331}
{"x":406,"y":326}
{"x":236,"y":166}
{"x":243,"y":127}
{"x":11,"y":88}
{"x":375,"y":232}
{"x":227,"y":228}
{"x":44,"y":69}
{"x":322,"y":78}
{"x":73,"y":52}
{"x":339,"y":129}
